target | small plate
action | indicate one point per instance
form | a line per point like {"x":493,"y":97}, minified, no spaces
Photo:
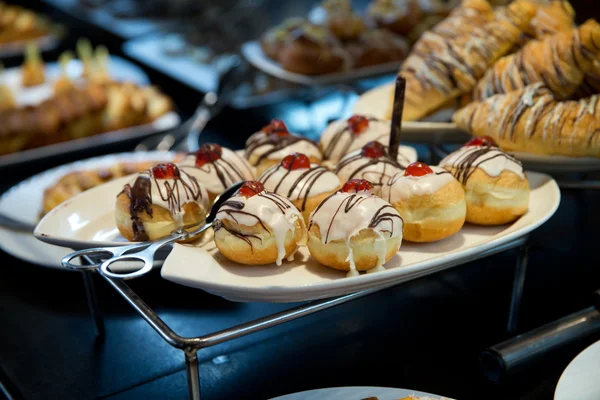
{"x":581,"y":378}
{"x":376,"y":102}
{"x":358,"y":393}
{"x":255,"y":56}
{"x":27,"y":198}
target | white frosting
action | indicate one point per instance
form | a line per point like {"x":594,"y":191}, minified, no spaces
{"x":402,"y":187}
{"x":231,"y":166}
{"x":299,"y":183}
{"x":492,"y":162}
{"x":275,"y":212}
{"x":302,"y":146}
{"x":335,"y":223}
{"x":338,"y":140}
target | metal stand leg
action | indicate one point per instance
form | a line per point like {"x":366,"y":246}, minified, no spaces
{"x":517,"y":290}
{"x":93,"y":304}
{"x":193,"y":374}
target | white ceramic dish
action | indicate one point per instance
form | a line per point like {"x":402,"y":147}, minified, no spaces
{"x":120,"y":70}
{"x":358,"y":393}
{"x":376,"y":102}
{"x":26,"y":197}
{"x":86,"y":221}
{"x":581,"y":379}
{"x":255,"y":56}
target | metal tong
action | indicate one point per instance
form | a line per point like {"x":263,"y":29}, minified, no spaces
{"x":145,"y":251}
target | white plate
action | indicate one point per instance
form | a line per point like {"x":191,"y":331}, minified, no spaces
{"x":581,"y":378}
{"x":357,"y":393}
{"x":376,"y":102}
{"x":255,"y":56}
{"x":120,"y":70}
{"x":26,"y":197}
{"x":543,"y":163}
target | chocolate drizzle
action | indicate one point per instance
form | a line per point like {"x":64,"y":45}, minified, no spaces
{"x":337,"y":136}
{"x":363,"y":169}
{"x":227,"y":172}
{"x":466,"y":166}
{"x":381,"y":216}
{"x":140,"y":200}
{"x":275,"y":141}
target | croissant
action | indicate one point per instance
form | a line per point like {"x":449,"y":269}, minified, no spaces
{"x":534,"y":121}
{"x":559,"y":61}
{"x":448,"y":60}
{"x":550,"y":18}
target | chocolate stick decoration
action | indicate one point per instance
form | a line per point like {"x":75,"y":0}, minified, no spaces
{"x":396,"y":125}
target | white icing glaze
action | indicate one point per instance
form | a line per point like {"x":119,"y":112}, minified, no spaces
{"x":492,"y":162}
{"x":231,"y":166}
{"x":338,"y":140}
{"x":302,"y":146}
{"x":275,"y":212}
{"x":299,"y":183}
{"x":402,"y":187}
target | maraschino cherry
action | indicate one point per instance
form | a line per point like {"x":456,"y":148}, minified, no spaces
{"x":373,"y":150}
{"x":357,"y":185}
{"x":277,"y":127}
{"x":418,"y":169}
{"x":251,"y":188}
{"x":482,"y":141}
{"x":165,"y":171}
{"x":295,"y":161}
{"x":208,"y":152}
{"x":358,"y":124}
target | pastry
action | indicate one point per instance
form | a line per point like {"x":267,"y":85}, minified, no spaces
{"x":217,"y":168}
{"x":399,"y":16}
{"x":313,"y":50}
{"x":496,"y":188}
{"x":18,"y":24}
{"x":63,"y":83}
{"x":559,"y":61}
{"x":377,"y":46}
{"x":345,"y":135}
{"x":32,"y":71}
{"x":447,"y":61}
{"x":429,"y":199}
{"x":305,"y":184}
{"x":257,"y":227}
{"x":158,"y":201}
{"x":338,"y":17}
{"x":354,"y":230}
{"x":551,"y":17}
{"x":373,"y":163}
{"x":273,"y":40}
{"x":273,"y":142}
{"x":533,"y":121}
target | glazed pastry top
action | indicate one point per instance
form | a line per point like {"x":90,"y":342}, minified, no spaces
{"x":402,"y":187}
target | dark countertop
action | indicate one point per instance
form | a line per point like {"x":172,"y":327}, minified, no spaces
{"x":425,"y":335}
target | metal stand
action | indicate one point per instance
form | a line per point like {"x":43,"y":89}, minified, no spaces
{"x":191,"y":345}
{"x":517,"y":290}
{"x":93,"y":304}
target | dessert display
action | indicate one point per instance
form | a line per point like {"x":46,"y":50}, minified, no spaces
{"x":373,"y":163}
{"x":377,"y":46}
{"x":551,"y":17}
{"x":429,"y":199}
{"x":274,"y":142}
{"x":561,"y":62}
{"x":273,"y":40}
{"x":346,"y":135}
{"x":400,"y":17}
{"x":534,"y":121}
{"x":340,"y":19}
{"x":158,"y":201}
{"x":306,"y":184}
{"x":496,"y":188}
{"x":354,"y":230}
{"x":217,"y":168}
{"x":32,"y":72}
{"x":258,"y":227}
{"x":18,"y":24}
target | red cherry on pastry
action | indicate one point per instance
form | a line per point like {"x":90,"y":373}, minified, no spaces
{"x":418,"y":169}
{"x":276,"y":126}
{"x":357,"y":185}
{"x":250,"y":188}
{"x":295,"y":161}
{"x":482,"y":141}
{"x":358,"y":124}
{"x":165,"y":171}
{"x":208,"y":152}
{"x":373,"y":150}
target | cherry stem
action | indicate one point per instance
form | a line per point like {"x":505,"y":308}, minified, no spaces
{"x":396,"y":124}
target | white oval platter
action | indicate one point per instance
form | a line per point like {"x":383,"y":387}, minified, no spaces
{"x":581,"y":379}
{"x":358,"y":393}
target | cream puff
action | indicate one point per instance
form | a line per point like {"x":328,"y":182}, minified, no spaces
{"x":158,"y":201}
{"x":217,"y":168}
{"x":273,"y":142}
{"x":354,"y":230}
{"x":496,"y":187}
{"x":373,"y":163}
{"x":257,"y":227}
{"x":429,"y":199}
{"x":345,"y":135}
{"x":305,"y":184}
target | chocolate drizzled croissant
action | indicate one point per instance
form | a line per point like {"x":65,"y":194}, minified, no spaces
{"x":534,"y":121}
